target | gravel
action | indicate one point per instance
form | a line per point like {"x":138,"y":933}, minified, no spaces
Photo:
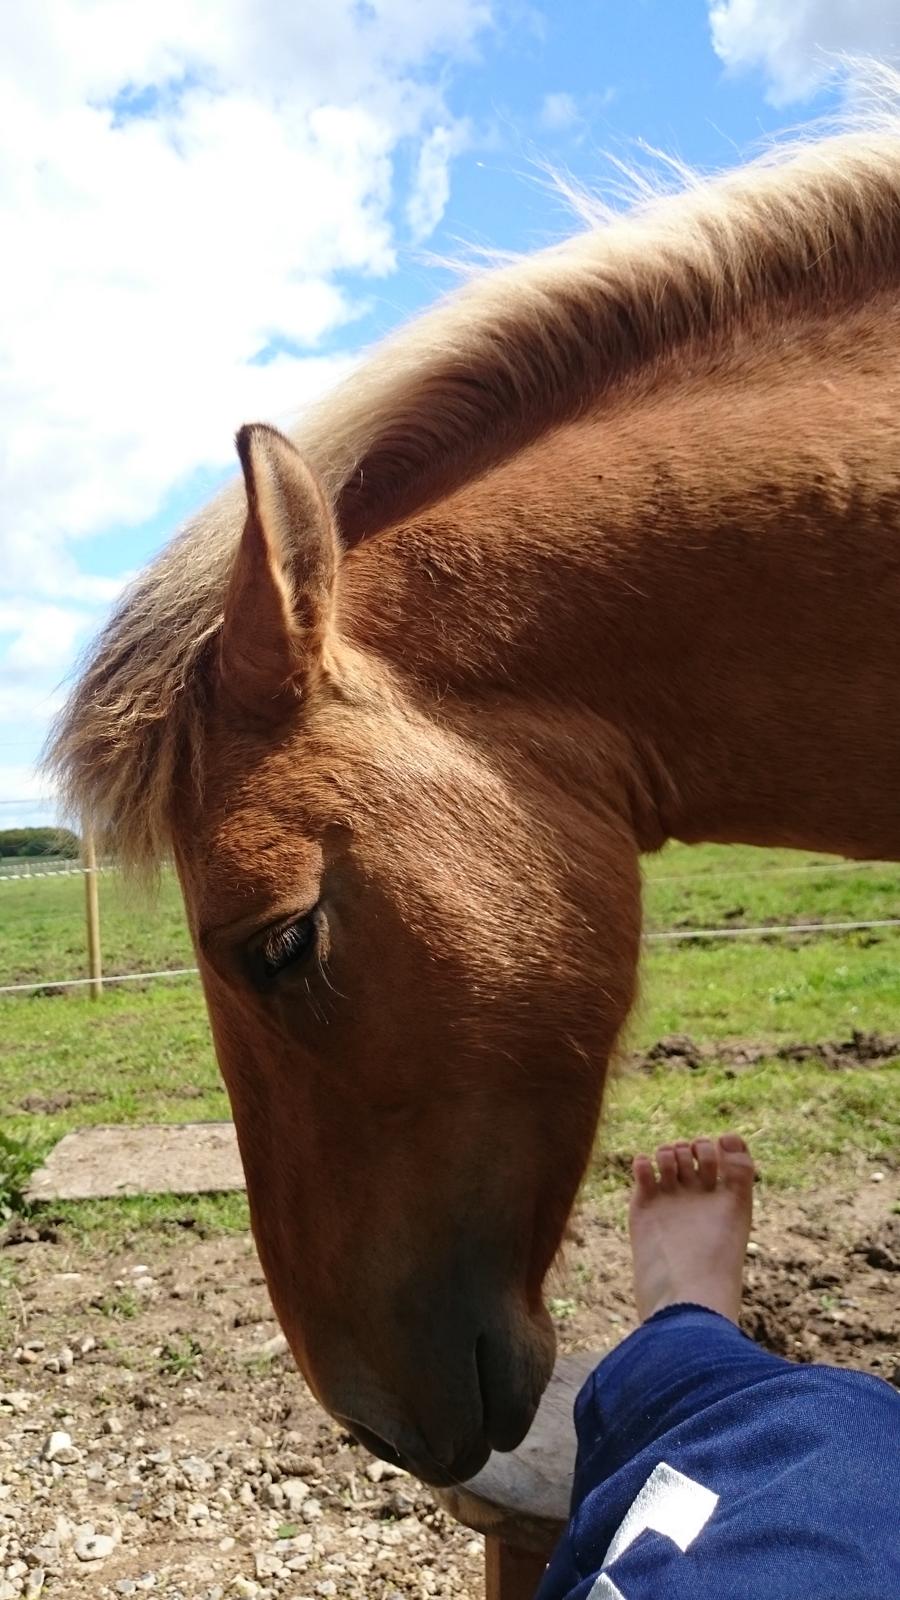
{"x":147,"y":1451}
{"x":180,"y":1455}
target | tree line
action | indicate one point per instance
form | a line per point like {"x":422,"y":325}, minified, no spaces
{"x":58,"y":842}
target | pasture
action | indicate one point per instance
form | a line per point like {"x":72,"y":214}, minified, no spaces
{"x":143,"y":1053}
{"x":142,"y":1327}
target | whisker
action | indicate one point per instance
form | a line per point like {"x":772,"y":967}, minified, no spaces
{"x":324,"y":975}
{"x":314,"y":1006}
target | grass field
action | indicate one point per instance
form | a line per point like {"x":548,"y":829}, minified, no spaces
{"x":142,"y":1053}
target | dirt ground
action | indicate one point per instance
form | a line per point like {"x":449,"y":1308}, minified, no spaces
{"x":154,"y":1438}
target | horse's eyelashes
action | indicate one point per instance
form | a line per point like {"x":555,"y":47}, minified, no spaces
{"x":287,"y":945}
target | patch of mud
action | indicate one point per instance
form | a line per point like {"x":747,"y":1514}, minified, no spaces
{"x":46,"y":1105}
{"x":679,"y":1050}
{"x":820,"y":1281}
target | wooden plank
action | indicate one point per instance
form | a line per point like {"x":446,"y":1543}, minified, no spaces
{"x":511,"y":1574}
{"x":92,"y":912}
{"x":522,"y":1499}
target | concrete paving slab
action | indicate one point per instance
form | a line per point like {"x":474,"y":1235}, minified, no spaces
{"x":175,"y":1158}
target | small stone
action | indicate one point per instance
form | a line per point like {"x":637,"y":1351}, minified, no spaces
{"x":399,"y":1504}
{"x":246,"y":1496}
{"x":294,"y":1492}
{"x":376,"y":1470}
{"x":111,"y":1424}
{"x":273,"y":1496}
{"x":140,"y":1270}
{"x":66,"y":1358}
{"x":64,"y":1529}
{"x":327,"y":1586}
{"x":276,"y":1346}
{"x":26,"y":1358}
{"x":878,"y":1177}
{"x":227,"y":1544}
{"x":91,"y":1546}
{"x":45,"y":1553}
{"x":198,"y":1512}
{"x":35,"y":1345}
{"x":17,"y":1400}
{"x":59,"y":1447}
{"x":34,"y":1583}
{"x":266,"y":1564}
{"x":197,"y":1471}
{"x":245,"y":1587}
{"x":87,"y":1344}
{"x":16,"y":1569}
{"x":310,"y":1510}
{"x":125,"y":1586}
{"x":752,"y":1248}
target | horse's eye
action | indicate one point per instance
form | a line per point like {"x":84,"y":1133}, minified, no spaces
{"x":287,"y":945}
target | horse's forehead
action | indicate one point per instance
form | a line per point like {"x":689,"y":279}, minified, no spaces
{"x":256,"y":825}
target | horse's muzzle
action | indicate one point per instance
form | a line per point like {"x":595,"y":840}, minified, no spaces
{"x":444,"y":1430}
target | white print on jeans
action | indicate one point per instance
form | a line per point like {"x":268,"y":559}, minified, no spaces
{"x":670,"y":1504}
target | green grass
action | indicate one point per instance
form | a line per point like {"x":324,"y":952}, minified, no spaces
{"x":18,"y":1157}
{"x":803,"y":1119}
{"x":801,"y":988}
{"x":708,"y":886}
{"x":143,"y":1054}
{"x":42,"y":928}
{"x":69,"y":1061}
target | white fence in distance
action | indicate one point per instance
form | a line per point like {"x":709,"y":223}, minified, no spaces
{"x":15,"y":869}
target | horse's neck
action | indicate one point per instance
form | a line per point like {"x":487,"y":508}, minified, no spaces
{"x":715,"y":570}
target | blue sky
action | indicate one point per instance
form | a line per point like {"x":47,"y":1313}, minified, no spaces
{"x":217,"y":205}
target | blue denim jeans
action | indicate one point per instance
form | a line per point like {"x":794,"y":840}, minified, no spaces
{"x":709,"y":1469}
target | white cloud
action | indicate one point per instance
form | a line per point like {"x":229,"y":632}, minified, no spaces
{"x":38,"y":642}
{"x":25,"y":799}
{"x":791,"y":43}
{"x":34,"y":702}
{"x":559,"y":111}
{"x":431,"y":188}
{"x":43,"y":637}
{"x":188,"y":183}
{"x":193,"y":197}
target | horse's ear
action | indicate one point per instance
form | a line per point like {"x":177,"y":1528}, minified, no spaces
{"x":280,"y":593}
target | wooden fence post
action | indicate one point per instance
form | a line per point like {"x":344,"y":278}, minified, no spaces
{"x":92,"y":907}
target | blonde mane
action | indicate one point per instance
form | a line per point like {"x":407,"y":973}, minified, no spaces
{"x":519,"y":350}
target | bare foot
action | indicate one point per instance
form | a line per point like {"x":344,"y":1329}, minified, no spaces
{"x":690,"y":1225}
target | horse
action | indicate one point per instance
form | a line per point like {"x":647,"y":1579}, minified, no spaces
{"x":602,"y":551}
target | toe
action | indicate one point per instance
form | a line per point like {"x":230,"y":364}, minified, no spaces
{"x":668,"y":1169}
{"x":707,"y":1162}
{"x":644,"y":1177}
{"x":684,"y":1162}
{"x":736,"y":1166}
{"x":733,"y":1144}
